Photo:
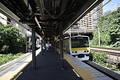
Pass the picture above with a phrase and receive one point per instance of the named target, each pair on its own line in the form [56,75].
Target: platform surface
[48,68]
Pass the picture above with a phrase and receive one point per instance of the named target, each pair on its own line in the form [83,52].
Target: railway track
[7,65]
[108,50]
[113,58]
[112,54]
[113,75]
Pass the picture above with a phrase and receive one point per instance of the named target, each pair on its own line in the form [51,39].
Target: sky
[111,5]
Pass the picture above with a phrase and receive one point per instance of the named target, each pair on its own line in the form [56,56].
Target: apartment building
[88,22]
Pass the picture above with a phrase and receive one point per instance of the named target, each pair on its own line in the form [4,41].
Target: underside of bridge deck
[47,15]
[47,18]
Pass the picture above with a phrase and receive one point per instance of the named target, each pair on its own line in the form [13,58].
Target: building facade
[90,20]
[88,23]
[3,19]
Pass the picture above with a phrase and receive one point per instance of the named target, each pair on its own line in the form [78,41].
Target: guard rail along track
[113,75]
[8,64]
[112,54]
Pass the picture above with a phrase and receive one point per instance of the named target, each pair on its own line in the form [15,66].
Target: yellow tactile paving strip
[84,73]
[11,75]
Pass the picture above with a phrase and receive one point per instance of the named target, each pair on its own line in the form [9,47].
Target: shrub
[98,57]
[4,58]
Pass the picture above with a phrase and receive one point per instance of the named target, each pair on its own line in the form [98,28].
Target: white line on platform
[76,73]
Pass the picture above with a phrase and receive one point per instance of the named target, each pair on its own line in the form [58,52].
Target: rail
[108,72]
[8,64]
[113,55]
[108,50]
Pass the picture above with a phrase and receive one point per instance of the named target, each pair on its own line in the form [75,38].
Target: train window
[79,42]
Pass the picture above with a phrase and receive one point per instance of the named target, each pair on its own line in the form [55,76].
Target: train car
[77,46]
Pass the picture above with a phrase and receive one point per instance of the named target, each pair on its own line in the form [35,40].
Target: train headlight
[75,51]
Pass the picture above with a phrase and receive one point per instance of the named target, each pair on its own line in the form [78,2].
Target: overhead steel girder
[90,4]
[28,22]
[63,5]
[4,10]
[36,20]
[40,4]
[69,10]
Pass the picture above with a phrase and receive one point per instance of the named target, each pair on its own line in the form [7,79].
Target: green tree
[115,25]
[11,39]
[109,27]
[1,29]
[104,33]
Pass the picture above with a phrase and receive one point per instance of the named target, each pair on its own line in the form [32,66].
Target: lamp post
[98,36]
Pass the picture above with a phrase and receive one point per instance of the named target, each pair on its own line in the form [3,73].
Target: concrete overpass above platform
[80,31]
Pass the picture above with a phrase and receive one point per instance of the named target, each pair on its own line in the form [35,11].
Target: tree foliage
[99,57]
[109,27]
[115,26]
[10,39]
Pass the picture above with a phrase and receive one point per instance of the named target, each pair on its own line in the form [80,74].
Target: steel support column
[42,46]
[61,46]
[55,46]
[33,48]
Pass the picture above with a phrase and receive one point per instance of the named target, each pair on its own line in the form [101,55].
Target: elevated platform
[48,68]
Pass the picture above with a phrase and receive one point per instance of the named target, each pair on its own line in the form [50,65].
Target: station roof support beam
[33,48]
[61,46]
[49,12]
[40,4]
[82,12]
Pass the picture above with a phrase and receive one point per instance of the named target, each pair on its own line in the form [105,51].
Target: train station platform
[48,67]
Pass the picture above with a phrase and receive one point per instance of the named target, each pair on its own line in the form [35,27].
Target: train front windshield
[79,42]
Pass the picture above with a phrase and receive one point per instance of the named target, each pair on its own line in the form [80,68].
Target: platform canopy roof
[48,15]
